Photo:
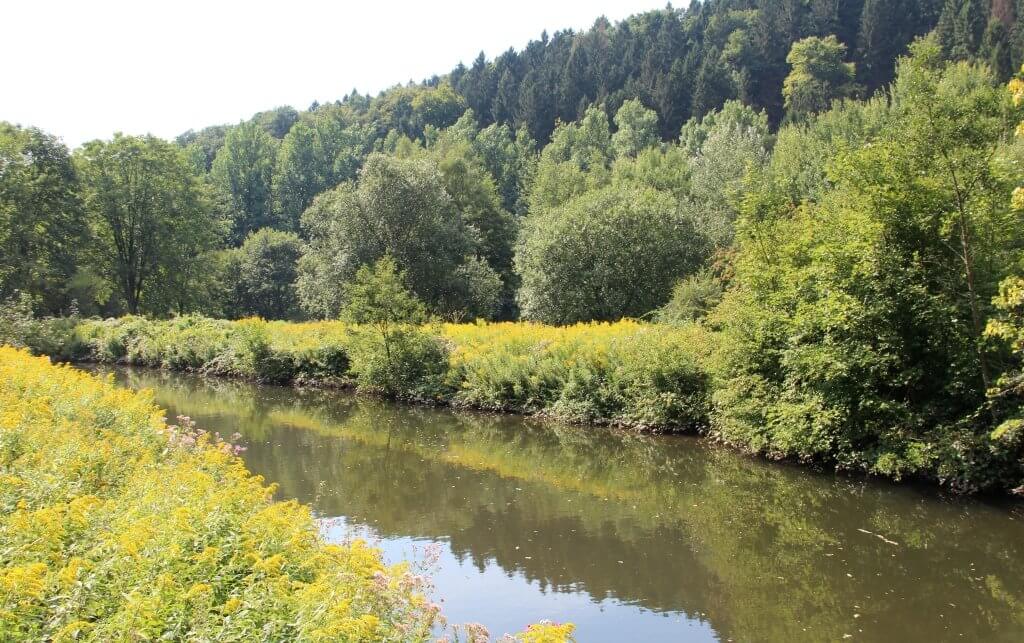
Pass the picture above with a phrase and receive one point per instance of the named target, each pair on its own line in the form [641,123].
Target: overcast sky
[85,69]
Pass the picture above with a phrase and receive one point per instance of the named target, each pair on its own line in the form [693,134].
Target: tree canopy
[151,219]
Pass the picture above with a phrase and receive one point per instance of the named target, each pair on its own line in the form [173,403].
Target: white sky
[85,69]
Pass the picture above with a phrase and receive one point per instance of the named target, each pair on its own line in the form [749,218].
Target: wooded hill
[682,63]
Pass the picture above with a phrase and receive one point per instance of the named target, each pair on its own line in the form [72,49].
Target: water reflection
[632,538]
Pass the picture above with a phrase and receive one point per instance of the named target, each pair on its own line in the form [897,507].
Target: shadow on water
[631,537]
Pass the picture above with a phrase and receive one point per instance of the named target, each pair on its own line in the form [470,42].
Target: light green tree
[377,296]
[578,158]
[637,129]
[390,353]
[818,77]
[613,252]
[724,148]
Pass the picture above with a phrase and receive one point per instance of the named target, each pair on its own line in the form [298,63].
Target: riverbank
[626,374]
[641,376]
[116,525]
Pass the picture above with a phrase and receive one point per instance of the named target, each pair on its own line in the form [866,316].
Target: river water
[631,538]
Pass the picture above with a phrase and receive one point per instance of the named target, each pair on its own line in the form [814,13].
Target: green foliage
[379,297]
[484,293]
[19,327]
[611,253]
[626,373]
[260,275]
[390,354]
[724,148]
[243,169]
[42,224]
[278,121]
[637,129]
[803,151]
[410,365]
[1006,399]
[201,147]
[319,152]
[399,208]
[409,111]
[887,27]
[692,299]
[151,219]
[510,158]
[490,229]
[851,335]
[577,159]
[819,76]
[862,245]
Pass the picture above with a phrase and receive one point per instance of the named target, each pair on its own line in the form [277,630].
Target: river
[632,538]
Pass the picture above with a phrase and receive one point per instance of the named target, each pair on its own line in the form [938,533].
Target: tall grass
[625,373]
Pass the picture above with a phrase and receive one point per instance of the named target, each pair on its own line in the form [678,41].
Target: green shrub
[20,328]
[326,362]
[412,364]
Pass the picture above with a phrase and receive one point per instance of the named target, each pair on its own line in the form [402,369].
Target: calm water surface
[631,538]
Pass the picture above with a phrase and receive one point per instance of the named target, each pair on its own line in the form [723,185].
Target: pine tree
[714,86]
[995,48]
[886,28]
[506,99]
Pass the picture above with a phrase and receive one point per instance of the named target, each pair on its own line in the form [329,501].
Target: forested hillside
[829,188]
[685,63]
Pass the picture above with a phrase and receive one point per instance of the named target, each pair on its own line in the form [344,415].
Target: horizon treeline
[462,179]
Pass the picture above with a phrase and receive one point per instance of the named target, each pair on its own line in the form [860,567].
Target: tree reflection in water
[616,531]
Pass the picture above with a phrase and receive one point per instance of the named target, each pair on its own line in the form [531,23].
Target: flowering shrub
[115,526]
[547,632]
[626,373]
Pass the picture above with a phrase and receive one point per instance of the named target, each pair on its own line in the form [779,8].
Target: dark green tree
[43,230]
[150,216]
[398,208]
[261,274]
[243,169]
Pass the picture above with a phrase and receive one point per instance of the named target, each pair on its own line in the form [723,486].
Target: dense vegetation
[828,213]
[626,373]
[116,526]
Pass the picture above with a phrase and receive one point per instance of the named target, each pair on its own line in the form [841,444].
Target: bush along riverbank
[117,526]
[626,373]
[630,374]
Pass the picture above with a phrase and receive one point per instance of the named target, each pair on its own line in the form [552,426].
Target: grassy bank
[117,526]
[630,374]
[626,373]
